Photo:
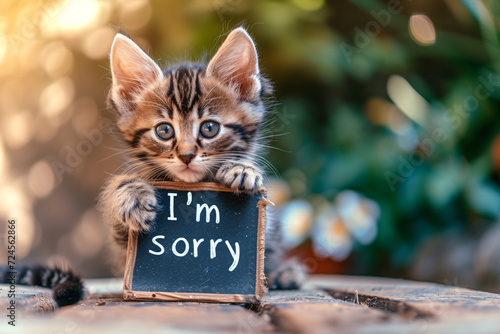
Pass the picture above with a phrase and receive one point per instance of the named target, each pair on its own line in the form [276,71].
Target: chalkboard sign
[206,244]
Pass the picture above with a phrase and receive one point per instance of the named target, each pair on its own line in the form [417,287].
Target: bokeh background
[387,146]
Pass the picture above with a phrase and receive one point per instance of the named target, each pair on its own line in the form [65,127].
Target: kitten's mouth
[189,173]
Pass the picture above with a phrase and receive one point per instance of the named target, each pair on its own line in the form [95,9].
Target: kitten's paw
[137,204]
[290,275]
[241,176]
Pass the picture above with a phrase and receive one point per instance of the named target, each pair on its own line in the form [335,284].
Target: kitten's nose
[187,158]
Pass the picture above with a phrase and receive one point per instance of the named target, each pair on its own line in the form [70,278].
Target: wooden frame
[260,283]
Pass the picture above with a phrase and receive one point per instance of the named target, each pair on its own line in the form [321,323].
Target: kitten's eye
[209,129]
[165,131]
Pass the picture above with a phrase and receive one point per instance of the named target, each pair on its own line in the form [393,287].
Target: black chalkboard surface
[206,244]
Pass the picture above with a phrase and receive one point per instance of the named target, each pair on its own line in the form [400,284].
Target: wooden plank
[428,297]
[427,307]
[314,311]
[156,316]
[111,314]
[324,318]
[105,311]
[387,306]
[274,297]
[28,300]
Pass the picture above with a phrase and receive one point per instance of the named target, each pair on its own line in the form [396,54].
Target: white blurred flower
[296,221]
[359,215]
[351,217]
[330,236]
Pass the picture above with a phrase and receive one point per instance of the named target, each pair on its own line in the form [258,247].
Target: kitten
[190,123]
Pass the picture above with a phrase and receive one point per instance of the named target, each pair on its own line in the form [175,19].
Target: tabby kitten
[190,123]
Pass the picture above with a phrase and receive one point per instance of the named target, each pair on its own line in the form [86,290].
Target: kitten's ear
[131,67]
[236,64]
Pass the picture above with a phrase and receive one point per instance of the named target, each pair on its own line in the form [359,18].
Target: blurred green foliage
[336,112]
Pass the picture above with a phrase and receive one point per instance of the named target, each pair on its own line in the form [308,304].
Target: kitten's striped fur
[67,287]
[227,93]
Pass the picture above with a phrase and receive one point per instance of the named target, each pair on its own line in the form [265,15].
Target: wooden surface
[326,304]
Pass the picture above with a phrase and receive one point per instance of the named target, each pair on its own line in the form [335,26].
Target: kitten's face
[185,122]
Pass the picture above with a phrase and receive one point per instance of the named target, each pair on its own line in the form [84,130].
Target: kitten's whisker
[276,148]
[155,104]
[110,156]
[275,135]
[135,164]
[124,149]
[223,157]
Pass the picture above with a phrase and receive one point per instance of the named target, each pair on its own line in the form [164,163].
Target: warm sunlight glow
[56,59]
[77,14]
[11,129]
[89,236]
[2,159]
[96,44]
[3,48]
[56,97]
[16,205]
[41,179]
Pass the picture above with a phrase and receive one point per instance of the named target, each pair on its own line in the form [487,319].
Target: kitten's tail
[67,287]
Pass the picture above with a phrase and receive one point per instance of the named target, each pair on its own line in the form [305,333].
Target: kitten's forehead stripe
[176,105]
[197,82]
[170,91]
[184,89]
[195,91]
